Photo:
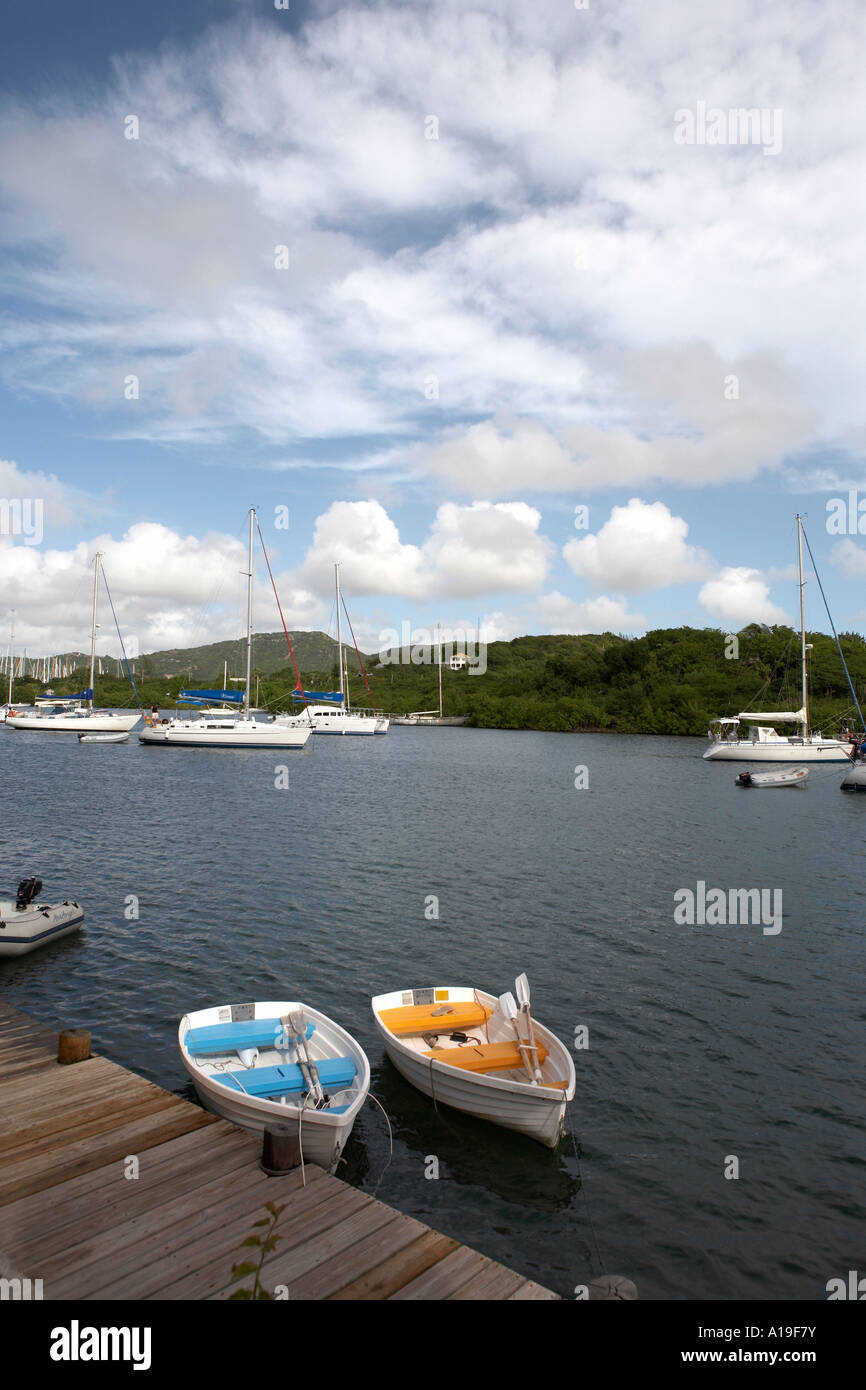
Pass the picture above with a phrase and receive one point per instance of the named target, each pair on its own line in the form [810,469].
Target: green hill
[671,681]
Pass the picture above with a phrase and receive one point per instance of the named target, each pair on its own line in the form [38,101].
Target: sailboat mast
[802,626]
[439,640]
[93,627]
[339,632]
[11,655]
[249,619]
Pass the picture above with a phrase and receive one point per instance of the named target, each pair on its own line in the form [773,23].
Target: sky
[548,317]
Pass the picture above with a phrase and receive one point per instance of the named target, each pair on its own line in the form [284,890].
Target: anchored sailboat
[333,715]
[245,731]
[765,744]
[68,714]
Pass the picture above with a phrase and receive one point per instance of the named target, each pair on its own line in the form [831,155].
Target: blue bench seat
[334,1074]
[215,1038]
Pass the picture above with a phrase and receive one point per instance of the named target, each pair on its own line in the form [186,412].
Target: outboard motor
[744,779]
[28,890]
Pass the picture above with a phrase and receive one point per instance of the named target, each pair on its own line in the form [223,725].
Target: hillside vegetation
[671,681]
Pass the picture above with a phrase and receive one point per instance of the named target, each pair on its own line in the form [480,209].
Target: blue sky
[432,278]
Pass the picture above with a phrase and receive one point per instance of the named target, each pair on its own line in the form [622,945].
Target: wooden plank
[446,1277]
[392,1273]
[495,1282]
[97,1260]
[120,1199]
[217,1244]
[289,1267]
[39,1109]
[365,1255]
[74,1126]
[206,1272]
[531,1290]
[20,1179]
[60,1081]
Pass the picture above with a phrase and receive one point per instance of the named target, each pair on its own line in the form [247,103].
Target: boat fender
[248,1055]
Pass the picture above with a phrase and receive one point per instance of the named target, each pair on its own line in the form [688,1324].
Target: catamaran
[764,745]
[246,729]
[74,714]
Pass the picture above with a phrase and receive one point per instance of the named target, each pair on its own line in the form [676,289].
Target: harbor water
[715,1144]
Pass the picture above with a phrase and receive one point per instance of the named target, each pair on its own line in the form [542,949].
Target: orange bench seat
[503,1056]
[429,1018]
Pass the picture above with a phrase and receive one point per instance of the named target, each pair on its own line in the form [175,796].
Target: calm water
[705,1041]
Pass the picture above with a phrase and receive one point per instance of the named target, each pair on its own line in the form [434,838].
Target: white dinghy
[26,924]
[103,738]
[782,777]
[483,1055]
[267,1063]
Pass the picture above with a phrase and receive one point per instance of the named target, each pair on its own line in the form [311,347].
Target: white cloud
[737,596]
[553,214]
[604,613]
[641,546]
[851,558]
[482,548]
[168,589]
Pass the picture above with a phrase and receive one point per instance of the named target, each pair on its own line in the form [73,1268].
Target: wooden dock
[71,1216]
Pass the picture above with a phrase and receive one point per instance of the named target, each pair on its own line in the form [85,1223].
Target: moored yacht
[245,728]
[764,745]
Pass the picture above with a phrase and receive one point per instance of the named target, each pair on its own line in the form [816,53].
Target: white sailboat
[75,714]
[764,744]
[338,718]
[245,731]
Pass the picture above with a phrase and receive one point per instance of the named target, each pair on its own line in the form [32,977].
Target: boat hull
[74,723]
[784,777]
[535,1111]
[37,925]
[224,733]
[855,780]
[744,751]
[323,1133]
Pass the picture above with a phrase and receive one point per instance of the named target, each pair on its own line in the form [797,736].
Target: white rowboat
[466,1049]
[103,738]
[278,1063]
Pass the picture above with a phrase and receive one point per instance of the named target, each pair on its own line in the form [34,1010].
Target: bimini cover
[797,717]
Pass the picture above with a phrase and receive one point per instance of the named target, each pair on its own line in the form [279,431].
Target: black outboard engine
[744,779]
[28,889]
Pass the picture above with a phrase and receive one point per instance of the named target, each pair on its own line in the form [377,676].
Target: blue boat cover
[64,699]
[334,1073]
[215,1038]
[332,697]
[207,697]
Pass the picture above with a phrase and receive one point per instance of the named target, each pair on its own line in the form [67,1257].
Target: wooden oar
[509,1009]
[521,987]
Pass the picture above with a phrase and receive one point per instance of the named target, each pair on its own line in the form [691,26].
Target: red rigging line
[357,652]
[282,619]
